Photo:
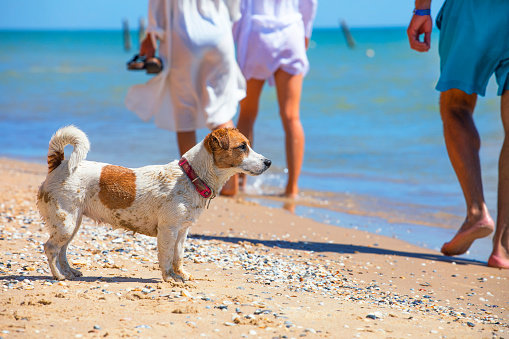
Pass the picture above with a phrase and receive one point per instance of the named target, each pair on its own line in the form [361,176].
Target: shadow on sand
[317,247]
[88,279]
[342,249]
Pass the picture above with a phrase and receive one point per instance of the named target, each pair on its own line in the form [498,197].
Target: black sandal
[137,63]
[154,65]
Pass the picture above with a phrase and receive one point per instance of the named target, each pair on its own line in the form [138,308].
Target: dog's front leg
[178,256]
[166,243]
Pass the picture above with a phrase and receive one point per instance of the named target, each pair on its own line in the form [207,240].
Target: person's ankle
[292,193]
[479,213]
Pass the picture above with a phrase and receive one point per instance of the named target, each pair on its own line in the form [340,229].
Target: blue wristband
[422,12]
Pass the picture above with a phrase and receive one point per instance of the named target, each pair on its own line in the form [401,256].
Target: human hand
[420,25]
[147,47]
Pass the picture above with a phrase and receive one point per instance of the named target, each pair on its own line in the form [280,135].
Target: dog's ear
[220,138]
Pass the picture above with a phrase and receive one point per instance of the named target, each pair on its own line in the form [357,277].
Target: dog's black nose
[267,162]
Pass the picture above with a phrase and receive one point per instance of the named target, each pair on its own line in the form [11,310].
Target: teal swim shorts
[474,44]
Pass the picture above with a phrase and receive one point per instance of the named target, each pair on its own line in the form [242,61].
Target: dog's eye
[242,147]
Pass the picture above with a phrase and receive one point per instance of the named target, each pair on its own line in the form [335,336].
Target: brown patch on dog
[219,138]
[54,160]
[223,145]
[117,187]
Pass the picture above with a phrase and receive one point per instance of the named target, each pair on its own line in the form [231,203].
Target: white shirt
[271,35]
[201,83]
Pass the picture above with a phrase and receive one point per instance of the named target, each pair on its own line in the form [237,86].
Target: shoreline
[259,272]
[423,226]
[424,235]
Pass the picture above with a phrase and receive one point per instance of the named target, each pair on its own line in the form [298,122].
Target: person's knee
[293,125]
[457,105]
[455,113]
[248,115]
[293,121]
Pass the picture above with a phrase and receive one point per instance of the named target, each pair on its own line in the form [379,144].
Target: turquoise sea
[375,157]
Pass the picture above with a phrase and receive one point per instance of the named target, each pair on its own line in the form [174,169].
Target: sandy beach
[259,273]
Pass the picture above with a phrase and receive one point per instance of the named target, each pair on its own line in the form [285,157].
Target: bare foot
[498,260]
[466,236]
[290,207]
[290,204]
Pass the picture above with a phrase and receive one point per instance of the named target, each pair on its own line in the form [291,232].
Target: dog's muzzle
[266,163]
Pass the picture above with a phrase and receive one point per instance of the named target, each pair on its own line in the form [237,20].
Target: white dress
[271,35]
[201,83]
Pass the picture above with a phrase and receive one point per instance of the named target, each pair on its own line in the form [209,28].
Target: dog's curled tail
[68,135]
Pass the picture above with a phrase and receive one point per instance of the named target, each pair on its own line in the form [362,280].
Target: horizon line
[84,29]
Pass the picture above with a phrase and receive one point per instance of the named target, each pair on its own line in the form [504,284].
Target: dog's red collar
[202,188]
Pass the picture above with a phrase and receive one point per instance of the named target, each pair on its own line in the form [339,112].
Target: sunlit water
[375,157]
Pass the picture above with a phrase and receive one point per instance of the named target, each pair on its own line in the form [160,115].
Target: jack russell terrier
[161,201]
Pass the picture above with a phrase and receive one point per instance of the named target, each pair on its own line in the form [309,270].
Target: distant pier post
[127,35]
[346,31]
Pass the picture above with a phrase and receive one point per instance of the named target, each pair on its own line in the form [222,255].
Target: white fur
[165,204]
[70,135]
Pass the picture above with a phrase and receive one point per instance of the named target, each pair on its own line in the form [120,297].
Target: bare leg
[289,88]
[463,144]
[248,113]
[500,255]
[186,141]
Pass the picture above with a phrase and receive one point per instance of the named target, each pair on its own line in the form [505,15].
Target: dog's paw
[77,273]
[187,276]
[69,274]
[59,277]
[173,277]
[64,276]
[181,276]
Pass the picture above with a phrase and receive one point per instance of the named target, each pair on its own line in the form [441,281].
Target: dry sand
[259,273]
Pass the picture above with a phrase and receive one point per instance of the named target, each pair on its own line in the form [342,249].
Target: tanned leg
[463,144]
[500,255]
[248,113]
[289,89]
[186,141]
